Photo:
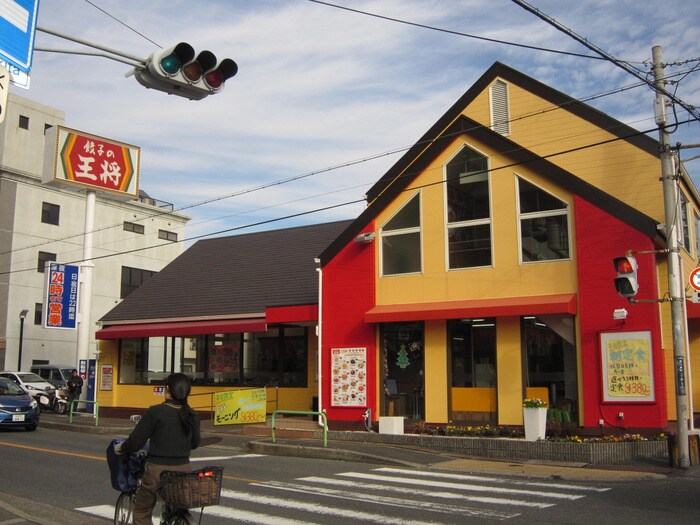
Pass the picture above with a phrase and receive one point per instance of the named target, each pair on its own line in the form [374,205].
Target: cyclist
[173,430]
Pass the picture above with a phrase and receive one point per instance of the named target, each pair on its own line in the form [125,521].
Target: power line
[451,32]
[325,208]
[122,23]
[319,171]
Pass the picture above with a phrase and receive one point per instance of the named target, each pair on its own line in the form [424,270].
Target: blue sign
[61,306]
[17,29]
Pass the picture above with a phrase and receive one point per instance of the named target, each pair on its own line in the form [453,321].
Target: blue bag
[124,469]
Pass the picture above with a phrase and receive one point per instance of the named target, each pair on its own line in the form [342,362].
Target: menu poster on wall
[349,377]
[628,373]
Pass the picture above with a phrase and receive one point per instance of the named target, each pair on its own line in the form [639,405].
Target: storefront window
[404,362]
[275,358]
[473,352]
[550,358]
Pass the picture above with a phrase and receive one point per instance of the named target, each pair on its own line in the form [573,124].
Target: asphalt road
[55,477]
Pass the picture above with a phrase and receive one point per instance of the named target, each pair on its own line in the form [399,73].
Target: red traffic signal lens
[625,265]
[214,79]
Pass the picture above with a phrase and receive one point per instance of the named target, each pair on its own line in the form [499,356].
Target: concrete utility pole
[675,288]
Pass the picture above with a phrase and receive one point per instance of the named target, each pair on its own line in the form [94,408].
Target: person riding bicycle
[173,430]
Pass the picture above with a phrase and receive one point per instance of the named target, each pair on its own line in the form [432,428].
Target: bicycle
[179,492]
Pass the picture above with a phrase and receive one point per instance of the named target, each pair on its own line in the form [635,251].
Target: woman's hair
[179,386]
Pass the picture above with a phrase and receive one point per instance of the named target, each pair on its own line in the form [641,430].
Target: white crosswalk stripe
[384,495]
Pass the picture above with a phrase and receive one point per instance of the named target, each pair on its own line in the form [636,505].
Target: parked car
[17,407]
[57,375]
[28,380]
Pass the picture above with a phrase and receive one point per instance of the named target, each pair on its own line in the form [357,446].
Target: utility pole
[675,288]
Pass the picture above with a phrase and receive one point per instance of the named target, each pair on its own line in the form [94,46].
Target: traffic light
[626,280]
[176,70]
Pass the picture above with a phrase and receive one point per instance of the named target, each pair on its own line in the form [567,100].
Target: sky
[327,99]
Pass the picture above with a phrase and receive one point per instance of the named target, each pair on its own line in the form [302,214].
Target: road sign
[695,279]
[4,86]
[17,29]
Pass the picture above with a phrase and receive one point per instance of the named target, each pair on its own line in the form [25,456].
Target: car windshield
[66,373]
[30,378]
[8,388]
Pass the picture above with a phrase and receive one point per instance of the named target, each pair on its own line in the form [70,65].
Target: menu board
[628,373]
[349,377]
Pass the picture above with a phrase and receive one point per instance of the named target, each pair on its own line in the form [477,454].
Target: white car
[29,381]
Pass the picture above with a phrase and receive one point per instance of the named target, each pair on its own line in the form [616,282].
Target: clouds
[321,87]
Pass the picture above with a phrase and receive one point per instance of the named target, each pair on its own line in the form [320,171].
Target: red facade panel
[348,291]
[599,238]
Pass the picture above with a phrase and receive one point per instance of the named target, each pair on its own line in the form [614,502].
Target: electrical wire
[316,172]
[451,32]
[317,210]
[122,23]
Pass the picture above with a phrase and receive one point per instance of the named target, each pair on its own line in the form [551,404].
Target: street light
[22,315]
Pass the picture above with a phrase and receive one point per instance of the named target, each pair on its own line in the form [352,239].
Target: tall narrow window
[685,231]
[50,213]
[544,224]
[401,244]
[500,116]
[23,122]
[697,236]
[468,210]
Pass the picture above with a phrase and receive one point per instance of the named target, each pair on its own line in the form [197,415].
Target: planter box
[391,425]
[519,449]
[535,422]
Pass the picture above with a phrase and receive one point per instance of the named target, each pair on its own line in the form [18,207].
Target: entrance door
[403,353]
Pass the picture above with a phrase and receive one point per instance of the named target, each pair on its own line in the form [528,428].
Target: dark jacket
[75,385]
[169,443]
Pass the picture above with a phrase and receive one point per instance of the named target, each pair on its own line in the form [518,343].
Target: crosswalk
[386,495]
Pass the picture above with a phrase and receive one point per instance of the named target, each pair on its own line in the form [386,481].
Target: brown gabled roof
[453,124]
[234,276]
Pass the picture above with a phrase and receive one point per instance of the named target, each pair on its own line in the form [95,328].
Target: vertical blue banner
[61,300]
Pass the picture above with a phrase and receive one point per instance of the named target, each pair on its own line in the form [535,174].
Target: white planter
[535,420]
[391,425]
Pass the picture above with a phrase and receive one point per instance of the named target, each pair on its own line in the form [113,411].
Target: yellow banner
[240,406]
[628,368]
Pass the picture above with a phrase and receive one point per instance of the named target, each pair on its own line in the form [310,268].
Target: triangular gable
[453,124]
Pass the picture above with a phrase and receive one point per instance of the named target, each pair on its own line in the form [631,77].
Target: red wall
[601,237]
[348,292]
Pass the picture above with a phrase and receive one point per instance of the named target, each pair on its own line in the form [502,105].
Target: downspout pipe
[319,344]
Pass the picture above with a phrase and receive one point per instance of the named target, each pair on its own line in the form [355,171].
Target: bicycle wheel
[179,517]
[123,509]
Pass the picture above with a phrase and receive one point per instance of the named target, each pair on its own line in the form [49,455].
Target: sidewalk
[233,437]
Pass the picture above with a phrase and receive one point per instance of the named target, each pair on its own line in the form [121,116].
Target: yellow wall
[508,277]
[509,371]
[143,396]
[474,400]
[625,172]
[436,372]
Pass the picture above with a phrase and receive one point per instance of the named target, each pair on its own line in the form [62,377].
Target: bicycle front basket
[191,490]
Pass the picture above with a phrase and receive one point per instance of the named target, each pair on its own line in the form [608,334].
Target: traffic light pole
[675,288]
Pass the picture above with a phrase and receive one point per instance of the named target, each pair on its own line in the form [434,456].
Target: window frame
[50,213]
[167,235]
[130,286]
[566,212]
[134,227]
[42,259]
[470,223]
[412,230]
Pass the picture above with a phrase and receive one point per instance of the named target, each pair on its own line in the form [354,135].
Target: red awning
[181,328]
[497,307]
